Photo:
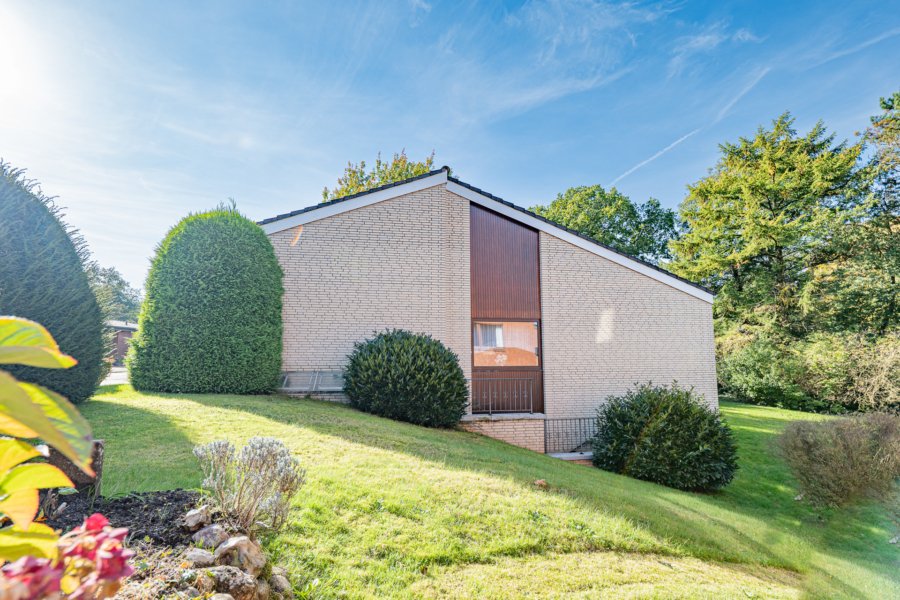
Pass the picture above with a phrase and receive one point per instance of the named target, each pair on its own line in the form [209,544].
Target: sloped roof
[385,192]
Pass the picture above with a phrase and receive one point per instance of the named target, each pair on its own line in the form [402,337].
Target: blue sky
[135,114]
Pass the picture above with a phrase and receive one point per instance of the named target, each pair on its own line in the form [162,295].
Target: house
[122,332]
[546,322]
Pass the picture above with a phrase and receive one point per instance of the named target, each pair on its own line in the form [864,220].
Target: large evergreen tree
[211,318]
[43,277]
[759,224]
[858,290]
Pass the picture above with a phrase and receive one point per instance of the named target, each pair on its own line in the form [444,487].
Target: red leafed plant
[90,564]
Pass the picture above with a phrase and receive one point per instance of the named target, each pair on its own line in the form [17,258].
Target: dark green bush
[407,377]
[666,435]
[43,278]
[211,318]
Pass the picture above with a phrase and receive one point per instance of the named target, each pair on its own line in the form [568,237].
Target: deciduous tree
[611,218]
[356,179]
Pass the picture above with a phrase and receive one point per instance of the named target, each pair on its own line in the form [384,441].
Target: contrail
[652,158]
[741,95]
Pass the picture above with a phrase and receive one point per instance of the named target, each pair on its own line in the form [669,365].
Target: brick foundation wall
[606,327]
[525,433]
[401,263]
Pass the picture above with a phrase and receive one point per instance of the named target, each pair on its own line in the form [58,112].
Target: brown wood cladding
[505,268]
[537,385]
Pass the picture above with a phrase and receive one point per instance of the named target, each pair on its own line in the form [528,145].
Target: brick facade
[606,328]
[402,263]
[525,433]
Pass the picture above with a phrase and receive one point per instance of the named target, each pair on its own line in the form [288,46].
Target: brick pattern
[606,328]
[582,462]
[525,433]
[400,263]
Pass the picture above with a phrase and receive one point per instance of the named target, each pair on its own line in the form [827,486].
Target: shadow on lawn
[638,501]
[156,455]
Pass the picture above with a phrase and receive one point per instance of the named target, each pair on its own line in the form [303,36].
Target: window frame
[540,345]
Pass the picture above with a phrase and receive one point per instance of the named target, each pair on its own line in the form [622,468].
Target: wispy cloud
[546,50]
[862,46]
[705,42]
[652,158]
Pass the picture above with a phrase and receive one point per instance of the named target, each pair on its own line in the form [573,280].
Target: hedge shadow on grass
[153,460]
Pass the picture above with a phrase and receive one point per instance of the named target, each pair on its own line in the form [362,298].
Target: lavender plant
[253,488]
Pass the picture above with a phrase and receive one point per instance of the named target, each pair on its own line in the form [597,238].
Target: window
[506,344]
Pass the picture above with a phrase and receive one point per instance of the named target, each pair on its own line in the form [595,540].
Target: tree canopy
[758,226]
[356,179]
[121,301]
[611,218]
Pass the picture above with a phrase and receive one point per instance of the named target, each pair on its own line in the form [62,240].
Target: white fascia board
[354,203]
[582,243]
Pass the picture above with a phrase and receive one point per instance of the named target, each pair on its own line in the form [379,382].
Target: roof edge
[406,186]
[579,235]
[352,196]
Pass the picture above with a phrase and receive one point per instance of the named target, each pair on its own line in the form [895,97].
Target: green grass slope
[392,510]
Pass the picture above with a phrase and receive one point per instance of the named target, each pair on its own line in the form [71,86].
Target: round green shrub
[43,278]
[211,318]
[407,377]
[666,435]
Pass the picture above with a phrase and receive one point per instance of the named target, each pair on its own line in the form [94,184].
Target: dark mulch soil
[154,515]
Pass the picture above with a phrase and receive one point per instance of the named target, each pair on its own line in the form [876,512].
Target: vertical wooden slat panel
[505,268]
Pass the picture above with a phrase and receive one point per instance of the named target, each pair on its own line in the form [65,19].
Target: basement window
[307,382]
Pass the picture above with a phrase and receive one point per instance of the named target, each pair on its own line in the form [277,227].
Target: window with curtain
[506,344]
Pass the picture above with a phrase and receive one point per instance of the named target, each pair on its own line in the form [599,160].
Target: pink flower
[95,522]
[30,578]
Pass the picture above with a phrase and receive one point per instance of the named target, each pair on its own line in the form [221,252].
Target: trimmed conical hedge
[211,317]
[43,278]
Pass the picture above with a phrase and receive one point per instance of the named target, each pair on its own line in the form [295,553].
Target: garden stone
[200,557]
[210,536]
[205,583]
[242,553]
[233,581]
[192,592]
[221,597]
[197,518]
[280,585]
[279,571]
[262,590]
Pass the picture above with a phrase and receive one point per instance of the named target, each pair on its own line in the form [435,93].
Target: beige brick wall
[606,327]
[525,433]
[400,263]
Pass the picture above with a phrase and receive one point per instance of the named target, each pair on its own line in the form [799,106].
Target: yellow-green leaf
[38,540]
[49,416]
[40,475]
[25,342]
[21,506]
[13,452]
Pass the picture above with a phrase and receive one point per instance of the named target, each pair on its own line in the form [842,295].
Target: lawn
[394,510]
